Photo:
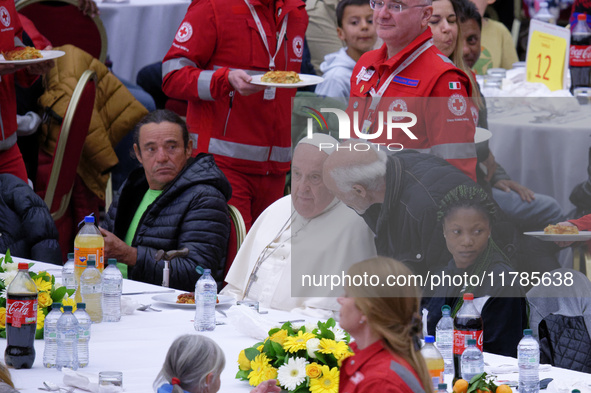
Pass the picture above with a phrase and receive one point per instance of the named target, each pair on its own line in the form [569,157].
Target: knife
[147,292]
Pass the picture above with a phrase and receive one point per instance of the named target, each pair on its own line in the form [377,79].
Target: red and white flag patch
[455,86]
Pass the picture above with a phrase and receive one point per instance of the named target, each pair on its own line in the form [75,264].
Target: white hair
[190,359]
[367,175]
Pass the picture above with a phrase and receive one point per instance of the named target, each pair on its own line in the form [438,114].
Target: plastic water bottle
[544,14]
[68,277]
[50,335]
[434,361]
[112,283]
[88,241]
[91,290]
[472,361]
[67,340]
[205,298]
[442,388]
[444,335]
[528,359]
[84,323]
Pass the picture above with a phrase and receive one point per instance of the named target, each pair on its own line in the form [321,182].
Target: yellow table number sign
[547,50]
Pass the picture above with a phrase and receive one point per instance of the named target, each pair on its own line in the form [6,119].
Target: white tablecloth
[140,32]
[550,157]
[138,344]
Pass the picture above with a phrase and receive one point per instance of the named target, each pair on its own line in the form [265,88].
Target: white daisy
[3,293]
[310,327]
[312,346]
[292,373]
[339,334]
[11,267]
[7,277]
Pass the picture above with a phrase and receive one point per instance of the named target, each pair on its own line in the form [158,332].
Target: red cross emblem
[298,46]
[184,33]
[457,104]
[4,16]
[398,105]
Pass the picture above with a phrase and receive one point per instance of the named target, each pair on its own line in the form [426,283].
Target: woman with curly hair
[467,214]
[385,323]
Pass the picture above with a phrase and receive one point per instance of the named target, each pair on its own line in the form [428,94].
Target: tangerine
[461,386]
[504,389]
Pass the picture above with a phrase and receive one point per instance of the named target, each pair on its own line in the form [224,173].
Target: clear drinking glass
[110,382]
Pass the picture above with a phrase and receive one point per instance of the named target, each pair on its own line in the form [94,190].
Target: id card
[270,93]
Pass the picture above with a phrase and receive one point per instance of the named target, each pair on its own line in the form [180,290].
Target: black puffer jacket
[406,225]
[26,227]
[191,212]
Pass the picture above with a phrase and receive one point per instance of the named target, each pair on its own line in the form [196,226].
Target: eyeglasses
[392,7]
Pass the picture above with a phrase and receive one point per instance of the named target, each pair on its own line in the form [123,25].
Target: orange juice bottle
[88,241]
[434,361]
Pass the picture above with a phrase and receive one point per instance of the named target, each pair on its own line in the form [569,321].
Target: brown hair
[5,375]
[392,311]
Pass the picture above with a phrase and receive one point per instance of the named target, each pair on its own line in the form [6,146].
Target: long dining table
[137,345]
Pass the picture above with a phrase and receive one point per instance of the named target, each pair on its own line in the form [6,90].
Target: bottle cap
[81,306]
[471,341]
[70,255]
[575,391]
[468,296]
[23,266]
[206,271]
[543,4]
[527,332]
[581,17]
[111,261]
[442,386]
[56,305]
[445,309]
[67,308]
[89,219]
[429,339]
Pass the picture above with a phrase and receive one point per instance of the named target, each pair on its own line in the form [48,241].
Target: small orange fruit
[461,386]
[504,389]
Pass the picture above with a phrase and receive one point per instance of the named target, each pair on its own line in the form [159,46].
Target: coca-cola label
[461,340]
[580,55]
[21,312]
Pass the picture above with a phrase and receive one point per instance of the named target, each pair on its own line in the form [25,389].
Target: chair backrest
[69,145]
[62,23]
[237,235]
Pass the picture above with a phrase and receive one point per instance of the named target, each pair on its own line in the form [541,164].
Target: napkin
[128,305]
[567,386]
[512,368]
[249,322]
[80,380]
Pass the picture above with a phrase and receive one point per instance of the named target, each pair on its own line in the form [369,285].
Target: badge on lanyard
[270,93]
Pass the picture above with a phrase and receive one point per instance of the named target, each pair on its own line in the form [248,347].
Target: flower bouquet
[48,293]
[303,359]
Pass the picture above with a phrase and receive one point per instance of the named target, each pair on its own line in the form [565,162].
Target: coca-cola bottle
[21,319]
[467,324]
[580,54]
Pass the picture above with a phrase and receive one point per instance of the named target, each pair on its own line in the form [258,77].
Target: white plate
[170,299]
[582,236]
[307,80]
[47,55]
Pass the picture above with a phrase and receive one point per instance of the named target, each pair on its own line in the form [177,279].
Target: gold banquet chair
[68,148]
[83,31]
[237,235]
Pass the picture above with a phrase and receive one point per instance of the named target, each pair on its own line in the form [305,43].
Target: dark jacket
[504,313]
[191,212]
[26,227]
[406,225]
[565,342]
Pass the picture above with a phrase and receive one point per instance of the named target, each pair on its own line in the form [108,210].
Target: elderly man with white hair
[302,244]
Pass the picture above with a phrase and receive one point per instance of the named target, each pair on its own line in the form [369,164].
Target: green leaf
[58,294]
[70,292]
[3,333]
[320,358]
[38,334]
[251,353]
[278,348]
[273,331]
[242,375]
[477,377]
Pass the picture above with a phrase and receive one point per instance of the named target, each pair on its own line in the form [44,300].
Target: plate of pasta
[29,55]
[187,299]
[289,79]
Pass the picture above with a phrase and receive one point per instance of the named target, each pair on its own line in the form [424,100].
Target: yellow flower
[243,362]
[44,299]
[42,285]
[327,383]
[337,348]
[279,337]
[260,347]
[40,320]
[313,370]
[261,370]
[296,343]
[344,356]
[2,317]
[68,302]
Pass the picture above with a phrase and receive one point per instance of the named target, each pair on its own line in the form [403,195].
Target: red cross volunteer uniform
[11,160]
[444,127]
[375,369]
[250,137]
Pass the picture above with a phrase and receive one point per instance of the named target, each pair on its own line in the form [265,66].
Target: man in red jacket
[218,47]
[404,71]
